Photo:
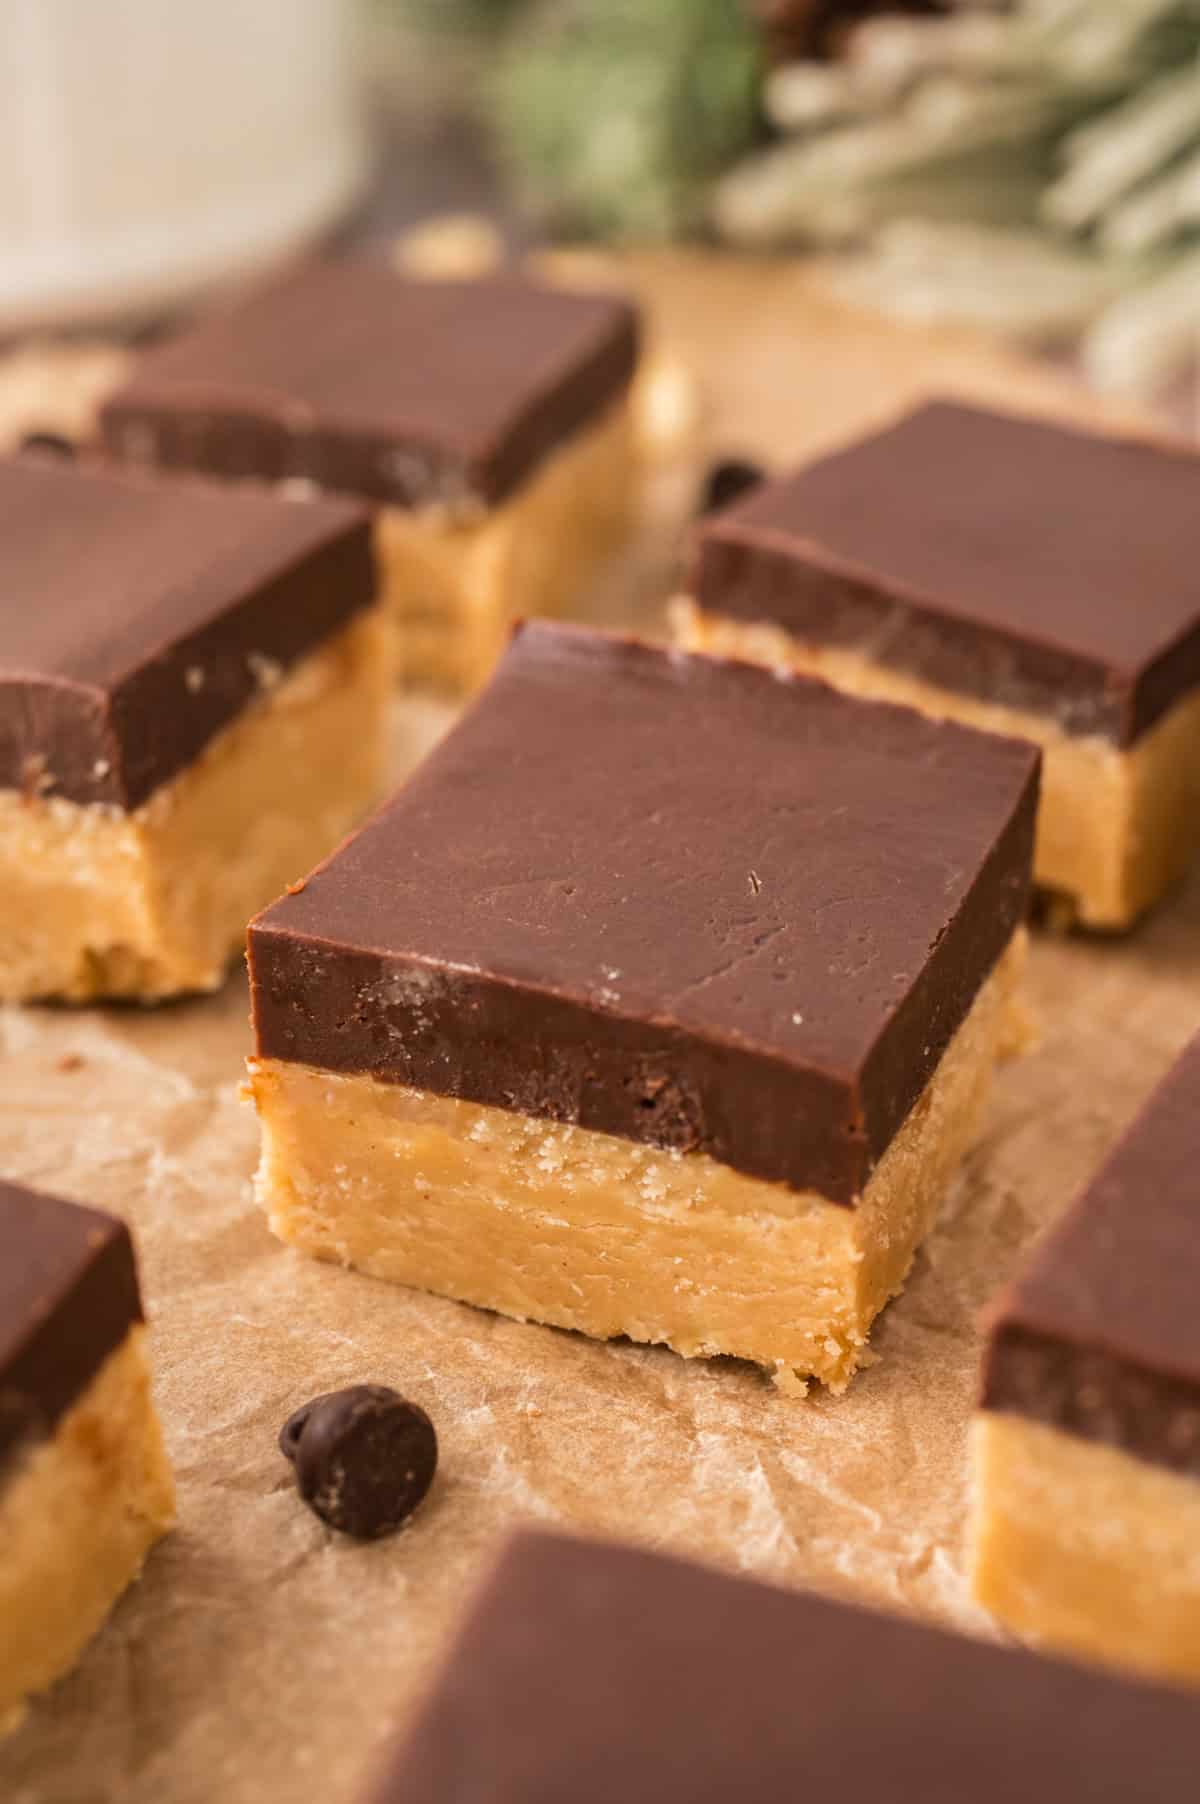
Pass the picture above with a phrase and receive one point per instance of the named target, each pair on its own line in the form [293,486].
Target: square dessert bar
[1022,577]
[661,1002]
[488,420]
[1086,1449]
[594,1672]
[193,695]
[85,1488]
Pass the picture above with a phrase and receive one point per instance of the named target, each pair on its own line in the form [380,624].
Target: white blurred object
[149,147]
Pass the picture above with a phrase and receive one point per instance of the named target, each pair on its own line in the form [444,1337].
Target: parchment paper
[260,1660]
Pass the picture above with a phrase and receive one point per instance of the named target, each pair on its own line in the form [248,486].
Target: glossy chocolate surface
[1023,563]
[68,1297]
[138,617]
[356,378]
[666,897]
[591,1673]
[1100,1334]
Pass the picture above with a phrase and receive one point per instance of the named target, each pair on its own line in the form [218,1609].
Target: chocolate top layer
[1024,563]
[399,390]
[138,617]
[667,897]
[68,1296]
[1100,1334]
[593,1673]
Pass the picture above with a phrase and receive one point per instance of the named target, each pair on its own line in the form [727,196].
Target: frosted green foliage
[455,18]
[1034,170]
[615,115]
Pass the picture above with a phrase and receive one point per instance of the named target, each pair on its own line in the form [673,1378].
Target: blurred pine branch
[614,118]
[1034,169]
[610,117]
[454,17]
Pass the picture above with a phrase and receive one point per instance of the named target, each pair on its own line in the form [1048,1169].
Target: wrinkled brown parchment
[260,1660]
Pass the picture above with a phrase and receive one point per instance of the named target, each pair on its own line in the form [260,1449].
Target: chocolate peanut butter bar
[1017,576]
[1086,1528]
[594,1672]
[193,685]
[85,1488]
[662,1001]
[487,420]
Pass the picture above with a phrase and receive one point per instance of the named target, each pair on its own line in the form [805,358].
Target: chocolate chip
[289,1434]
[726,480]
[364,1458]
[52,444]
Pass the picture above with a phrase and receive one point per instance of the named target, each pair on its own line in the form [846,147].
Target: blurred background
[1030,170]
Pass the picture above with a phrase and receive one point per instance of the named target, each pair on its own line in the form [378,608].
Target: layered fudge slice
[487,420]
[661,1002]
[85,1488]
[1086,1449]
[193,695]
[593,1672]
[1021,577]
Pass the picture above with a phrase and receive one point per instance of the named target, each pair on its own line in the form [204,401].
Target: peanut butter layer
[85,1488]
[1087,1446]
[1117,825]
[1086,1548]
[79,1511]
[455,586]
[608,1236]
